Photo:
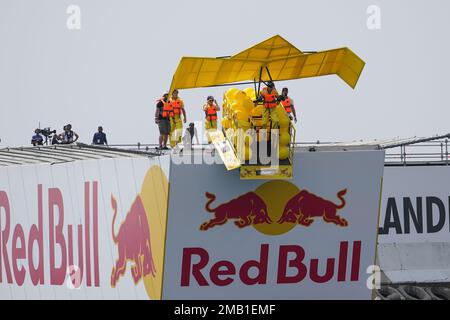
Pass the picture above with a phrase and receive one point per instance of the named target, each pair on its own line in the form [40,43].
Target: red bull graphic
[140,239]
[305,206]
[275,205]
[294,266]
[133,243]
[51,243]
[247,209]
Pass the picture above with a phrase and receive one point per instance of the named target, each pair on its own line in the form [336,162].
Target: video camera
[46,132]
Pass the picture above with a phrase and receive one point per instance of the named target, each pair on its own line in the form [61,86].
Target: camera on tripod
[46,132]
[37,139]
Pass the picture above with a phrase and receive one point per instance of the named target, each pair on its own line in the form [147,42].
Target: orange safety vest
[287,104]
[167,110]
[177,106]
[270,99]
[211,113]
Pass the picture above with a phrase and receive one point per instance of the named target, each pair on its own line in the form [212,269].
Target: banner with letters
[415,205]
[90,229]
[312,237]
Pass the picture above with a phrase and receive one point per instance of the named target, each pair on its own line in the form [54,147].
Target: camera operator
[68,135]
[37,139]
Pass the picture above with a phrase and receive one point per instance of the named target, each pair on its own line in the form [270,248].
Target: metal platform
[428,151]
[64,153]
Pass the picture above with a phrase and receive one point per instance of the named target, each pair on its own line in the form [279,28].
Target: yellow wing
[284,61]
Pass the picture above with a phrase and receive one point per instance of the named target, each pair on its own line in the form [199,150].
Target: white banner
[90,229]
[312,237]
[414,232]
[415,205]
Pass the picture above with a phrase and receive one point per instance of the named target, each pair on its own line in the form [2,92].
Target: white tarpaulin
[414,237]
[59,238]
[310,237]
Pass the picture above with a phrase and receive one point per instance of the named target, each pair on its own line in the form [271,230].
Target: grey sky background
[111,71]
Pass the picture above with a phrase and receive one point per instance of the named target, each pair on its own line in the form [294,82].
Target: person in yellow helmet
[270,98]
[177,122]
[211,109]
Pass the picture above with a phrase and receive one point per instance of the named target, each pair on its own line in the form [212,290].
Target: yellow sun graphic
[276,194]
[154,195]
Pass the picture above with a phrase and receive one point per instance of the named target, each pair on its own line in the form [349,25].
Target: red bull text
[16,252]
[293,267]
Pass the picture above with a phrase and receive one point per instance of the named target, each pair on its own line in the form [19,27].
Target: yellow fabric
[210,124]
[270,114]
[285,62]
[176,130]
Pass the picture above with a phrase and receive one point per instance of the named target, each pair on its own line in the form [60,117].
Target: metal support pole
[268,72]
[259,82]
[446,151]
[404,155]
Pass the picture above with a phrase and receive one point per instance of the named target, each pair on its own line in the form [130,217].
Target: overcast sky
[111,71]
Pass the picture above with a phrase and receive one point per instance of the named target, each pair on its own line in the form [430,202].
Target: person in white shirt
[189,135]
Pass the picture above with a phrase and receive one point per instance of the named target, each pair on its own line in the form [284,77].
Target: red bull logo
[275,208]
[133,243]
[305,206]
[140,238]
[246,210]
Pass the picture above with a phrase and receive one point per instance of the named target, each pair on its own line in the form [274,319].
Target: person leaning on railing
[68,136]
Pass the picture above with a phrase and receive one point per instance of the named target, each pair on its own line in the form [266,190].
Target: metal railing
[423,151]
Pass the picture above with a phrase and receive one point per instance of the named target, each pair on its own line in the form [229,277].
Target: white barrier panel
[415,205]
[96,229]
[58,236]
[312,237]
[414,234]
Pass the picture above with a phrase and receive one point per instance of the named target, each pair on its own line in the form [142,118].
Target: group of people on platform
[170,115]
[270,99]
[68,136]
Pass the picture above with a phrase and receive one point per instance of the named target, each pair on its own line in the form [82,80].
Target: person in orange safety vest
[288,104]
[270,98]
[211,108]
[163,116]
[176,123]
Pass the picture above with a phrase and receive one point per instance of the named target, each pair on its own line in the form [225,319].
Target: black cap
[210,98]
[270,84]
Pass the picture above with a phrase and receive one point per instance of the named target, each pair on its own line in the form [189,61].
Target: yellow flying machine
[274,59]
